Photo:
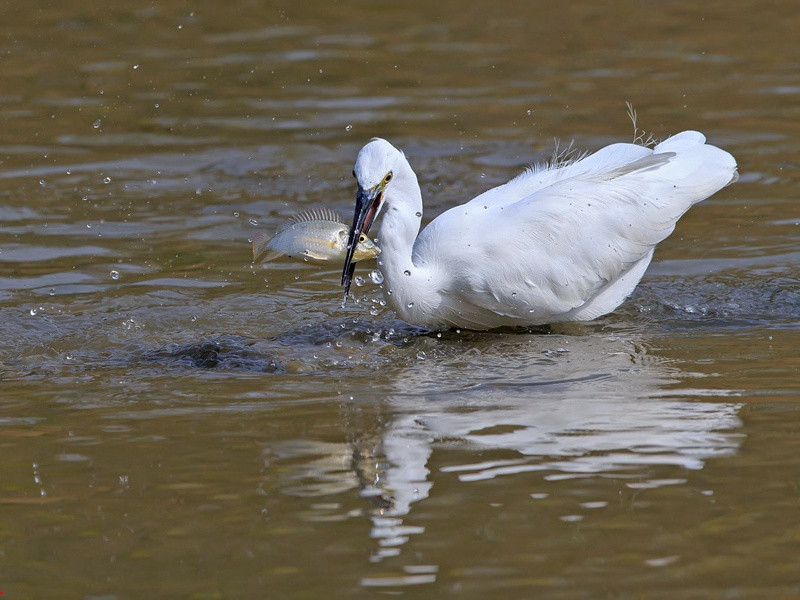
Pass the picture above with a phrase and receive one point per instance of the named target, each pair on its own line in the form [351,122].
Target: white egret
[567,241]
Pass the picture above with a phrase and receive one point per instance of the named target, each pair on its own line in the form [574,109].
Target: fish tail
[260,241]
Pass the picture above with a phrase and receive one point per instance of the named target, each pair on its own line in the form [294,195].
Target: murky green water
[176,422]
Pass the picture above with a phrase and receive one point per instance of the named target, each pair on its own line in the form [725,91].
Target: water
[177,422]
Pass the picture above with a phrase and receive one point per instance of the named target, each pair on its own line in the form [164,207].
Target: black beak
[367,203]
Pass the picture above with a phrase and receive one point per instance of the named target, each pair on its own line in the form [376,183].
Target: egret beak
[367,204]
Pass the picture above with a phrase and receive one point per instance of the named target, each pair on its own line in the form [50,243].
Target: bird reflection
[564,406]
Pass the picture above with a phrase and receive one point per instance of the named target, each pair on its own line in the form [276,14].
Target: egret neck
[386,180]
[405,282]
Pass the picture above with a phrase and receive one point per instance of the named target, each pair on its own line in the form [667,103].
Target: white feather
[565,242]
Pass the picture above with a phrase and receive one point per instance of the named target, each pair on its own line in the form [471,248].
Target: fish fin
[315,256]
[271,255]
[260,240]
[317,214]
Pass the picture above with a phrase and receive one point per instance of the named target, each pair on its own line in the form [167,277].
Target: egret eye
[388,177]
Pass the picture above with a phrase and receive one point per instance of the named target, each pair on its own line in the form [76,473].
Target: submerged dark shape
[220,354]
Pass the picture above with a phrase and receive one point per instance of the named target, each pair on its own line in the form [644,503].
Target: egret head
[375,168]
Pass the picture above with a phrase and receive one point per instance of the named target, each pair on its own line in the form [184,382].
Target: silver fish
[316,234]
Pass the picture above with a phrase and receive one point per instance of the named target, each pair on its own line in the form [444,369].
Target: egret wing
[555,249]
[544,175]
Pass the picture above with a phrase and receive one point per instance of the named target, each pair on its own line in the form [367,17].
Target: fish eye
[362,237]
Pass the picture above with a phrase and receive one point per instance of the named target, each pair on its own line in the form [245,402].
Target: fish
[317,234]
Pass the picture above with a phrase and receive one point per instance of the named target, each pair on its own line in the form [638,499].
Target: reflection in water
[602,407]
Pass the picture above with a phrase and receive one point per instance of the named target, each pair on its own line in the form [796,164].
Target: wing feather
[541,176]
[577,230]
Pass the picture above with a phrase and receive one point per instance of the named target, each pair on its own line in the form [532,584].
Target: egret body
[567,241]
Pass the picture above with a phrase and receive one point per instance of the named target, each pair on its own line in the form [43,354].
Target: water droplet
[359,281]
[348,128]
[483,175]
[42,182]
[52,291]
[114,274]
[106,180]
[253,222]
[439,335]
[130,324]
[97,124]
[530,112]
[410,305]
[419,214]
[33,312]
[236,214]
[407,273]
[421,355]
[513,294]
[376,277]
[374,312]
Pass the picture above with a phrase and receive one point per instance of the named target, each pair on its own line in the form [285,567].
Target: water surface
[178,422]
